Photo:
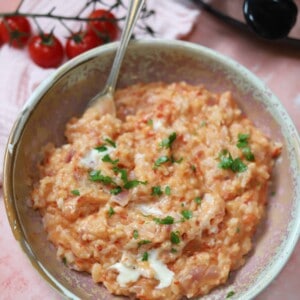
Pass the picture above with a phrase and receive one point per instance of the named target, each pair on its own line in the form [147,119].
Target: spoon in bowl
[103,102]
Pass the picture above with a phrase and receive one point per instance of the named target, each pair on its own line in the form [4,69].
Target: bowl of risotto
[191,190]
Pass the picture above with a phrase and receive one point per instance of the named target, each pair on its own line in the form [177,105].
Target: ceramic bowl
[65,94]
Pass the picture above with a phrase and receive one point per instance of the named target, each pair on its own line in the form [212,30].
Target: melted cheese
[131,272]
[149,209]
[157,124]
[93,158]
[162,273]
[126,273]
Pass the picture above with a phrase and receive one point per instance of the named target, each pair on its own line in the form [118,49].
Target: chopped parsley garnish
[64,260]
[243,145]
[97,176]
[75,192]
[128,184]
[187,214]
[227,162]
[133,183]
[161,160]
[248,153]
[165,221]
[145,256]
[242,140]
[226,159]
[109,141]
[135,234]
[167,190]
[107,158]
[167,142]
[150,122]
[173,250]
[143,242]
[238,166]
[178,161]
[230,294]
[123,173]
[111,211]
[238,230]
[193,167]
[115,191]
[198,200]
[203,123]
[156,191]
[175,239]
[102,148]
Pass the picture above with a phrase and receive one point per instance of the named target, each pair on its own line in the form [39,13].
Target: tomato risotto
[162,201]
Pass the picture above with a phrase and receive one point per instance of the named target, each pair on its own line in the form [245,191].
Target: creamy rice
[161,202]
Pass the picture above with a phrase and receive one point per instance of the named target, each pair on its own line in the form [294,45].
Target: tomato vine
[100,26]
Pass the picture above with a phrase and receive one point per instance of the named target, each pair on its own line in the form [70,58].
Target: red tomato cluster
[46,50]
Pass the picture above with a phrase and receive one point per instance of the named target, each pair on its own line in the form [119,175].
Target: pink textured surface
[278,66]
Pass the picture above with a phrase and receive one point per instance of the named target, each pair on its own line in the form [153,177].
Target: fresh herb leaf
[224,152]
[173,250]
[102,148]
[97,176]
[243,137]
[165,221]
[248,153]
[238,166]
[123,173]
[167,190]
[133,183]
[167,142]
[150,122]
[161,160]
[75,192]
[227,162]
[156,191]
[109,141]
[230,294]
[145,256]
[243,145]
[111,211]
[64,260]
[107,158]
[115,191]
[193,167]
[143,242]
[187,214]
[135,234]
[177,161]
[238,230]
[198,200]
[175,239]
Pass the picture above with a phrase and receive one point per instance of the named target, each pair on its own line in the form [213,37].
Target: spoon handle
[134,9]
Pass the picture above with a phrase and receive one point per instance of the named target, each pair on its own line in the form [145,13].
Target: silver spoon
[103,102]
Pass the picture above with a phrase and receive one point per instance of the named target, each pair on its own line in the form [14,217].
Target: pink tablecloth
[278,66]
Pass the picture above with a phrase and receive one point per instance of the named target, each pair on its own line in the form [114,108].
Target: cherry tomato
[46,50]
[15,30]
[80,42]
[106,29]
